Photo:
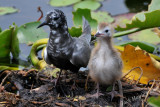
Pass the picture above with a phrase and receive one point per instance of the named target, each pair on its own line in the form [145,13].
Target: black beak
[42,24]
[97,34]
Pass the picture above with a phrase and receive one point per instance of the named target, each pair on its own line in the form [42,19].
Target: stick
[39,10]
[4,80]
[140,75]
[149,91]
[129,71]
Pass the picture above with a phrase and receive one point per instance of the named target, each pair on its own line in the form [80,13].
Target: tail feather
[86,31]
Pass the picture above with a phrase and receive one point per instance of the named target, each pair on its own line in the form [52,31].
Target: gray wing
[82,49]
[81,53]
[86,34]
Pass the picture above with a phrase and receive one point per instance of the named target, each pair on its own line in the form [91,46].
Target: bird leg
[58,77]
[97,94]
[73,87]
[113,93]
[86,83]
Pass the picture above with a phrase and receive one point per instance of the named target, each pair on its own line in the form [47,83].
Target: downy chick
[63,50]
[105,64]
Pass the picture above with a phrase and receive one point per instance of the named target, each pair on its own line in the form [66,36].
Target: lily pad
[28,33]
[5,38]
[102,16]
[144,20]
[77,18]
[143,45]
[87,4]
[59,3]
[7,10]
[75,32]
[154,5]
[9,43]
[154,101]
[146,35]
[122,19]
[15,43]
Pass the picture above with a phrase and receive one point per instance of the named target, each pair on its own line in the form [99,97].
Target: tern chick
[105,64]
[63,50]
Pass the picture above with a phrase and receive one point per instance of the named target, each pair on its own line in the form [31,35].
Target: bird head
[103,31]
[54,19]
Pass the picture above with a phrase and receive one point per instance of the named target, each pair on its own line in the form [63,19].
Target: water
[28,10]
[28,13]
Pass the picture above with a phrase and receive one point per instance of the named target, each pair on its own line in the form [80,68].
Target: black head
[54,19]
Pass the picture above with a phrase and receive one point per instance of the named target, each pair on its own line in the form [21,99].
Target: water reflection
[137,5]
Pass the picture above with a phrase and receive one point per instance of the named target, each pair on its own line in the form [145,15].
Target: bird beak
[98,34]
[42,24]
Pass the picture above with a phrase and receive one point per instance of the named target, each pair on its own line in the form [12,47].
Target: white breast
[105,69]
[45,54]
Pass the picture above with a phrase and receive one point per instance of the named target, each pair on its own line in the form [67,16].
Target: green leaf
[155,5]
[143,45]
[59,3]
[122,19]
[9,43]
[8,68]
[5,44]
[77,18]
[109,88]
[75,32]
[7,10]
[87,4]
[143,20]
[146,35]
[0,29]
[29,33]
[154,101]
[15,43]
[102,16]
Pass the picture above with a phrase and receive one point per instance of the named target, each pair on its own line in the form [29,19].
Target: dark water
[28,13]
[28,10]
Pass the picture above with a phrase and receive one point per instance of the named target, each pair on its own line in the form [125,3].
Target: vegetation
[142,51]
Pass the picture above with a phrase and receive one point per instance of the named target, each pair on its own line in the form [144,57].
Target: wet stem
[39,10]
[123,33]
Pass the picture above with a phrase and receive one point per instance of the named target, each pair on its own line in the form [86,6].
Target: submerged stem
[123,33]
[39,10]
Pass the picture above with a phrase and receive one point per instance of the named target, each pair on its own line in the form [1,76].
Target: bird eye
[55,18]
[106,31]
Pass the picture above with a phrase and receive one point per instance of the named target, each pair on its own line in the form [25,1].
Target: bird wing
[82,49]
[81,53]
[86,34]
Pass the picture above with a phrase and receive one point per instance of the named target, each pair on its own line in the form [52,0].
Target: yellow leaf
[135,57]
[75,99]
[82,98]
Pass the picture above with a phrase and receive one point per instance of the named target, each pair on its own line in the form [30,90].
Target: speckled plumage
[64,51]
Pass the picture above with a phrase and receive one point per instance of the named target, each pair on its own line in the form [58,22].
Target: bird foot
[54,81]
[114,94]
